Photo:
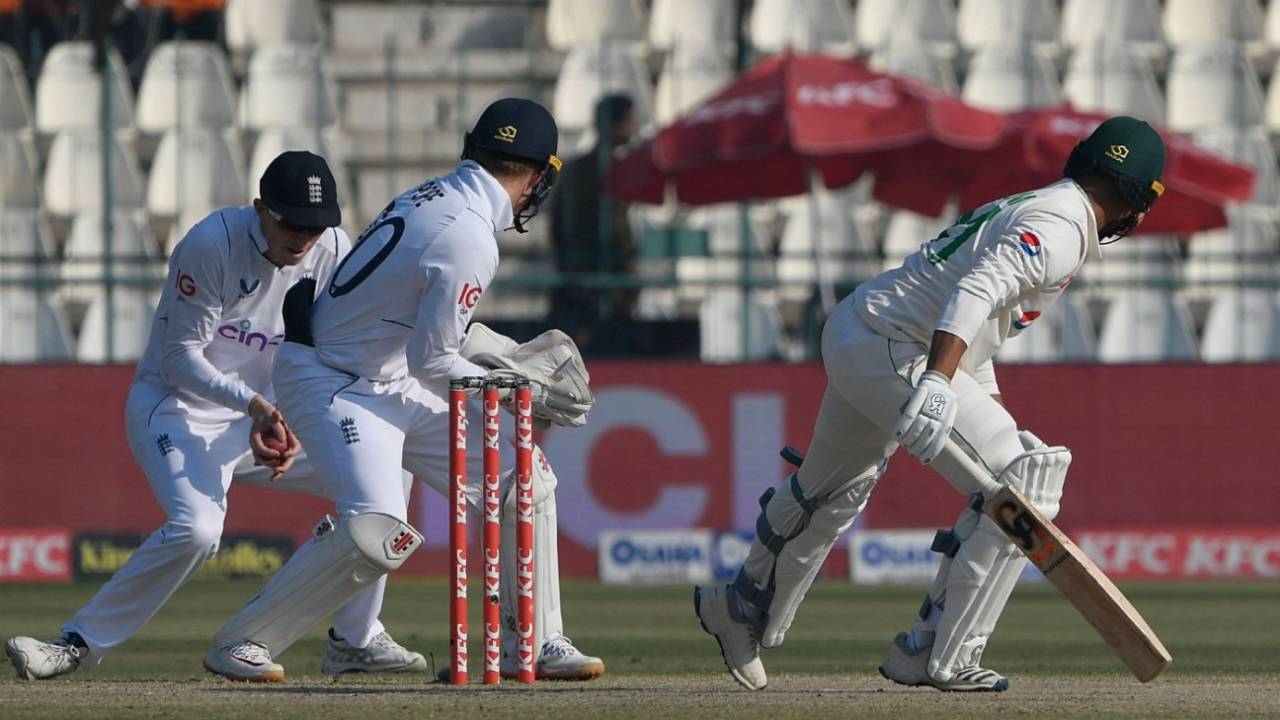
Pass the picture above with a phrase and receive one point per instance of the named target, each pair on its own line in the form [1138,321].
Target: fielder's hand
[928,417]
[271,441]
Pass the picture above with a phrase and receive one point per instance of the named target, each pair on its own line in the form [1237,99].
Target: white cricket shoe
[739,645]
[246,661]
[39,660]
[558,660]
[381,655]
[908,665]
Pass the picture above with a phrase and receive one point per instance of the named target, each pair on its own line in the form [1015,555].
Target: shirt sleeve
[1039,250]
[460,265]
[195,307]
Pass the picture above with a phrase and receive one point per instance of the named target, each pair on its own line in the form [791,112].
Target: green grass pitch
[1225,639]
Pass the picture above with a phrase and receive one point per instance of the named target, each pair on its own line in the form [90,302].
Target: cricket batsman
[908,358]
[363,378]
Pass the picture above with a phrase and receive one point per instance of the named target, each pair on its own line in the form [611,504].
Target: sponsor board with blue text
[900,557]
[656,556]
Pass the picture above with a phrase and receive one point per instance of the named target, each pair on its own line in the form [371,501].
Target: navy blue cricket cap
[520,128]
[298,188]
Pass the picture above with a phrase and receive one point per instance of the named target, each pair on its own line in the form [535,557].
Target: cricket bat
[1076,577]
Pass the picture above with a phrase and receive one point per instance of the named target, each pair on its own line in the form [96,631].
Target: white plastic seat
[1211,86]
[906,232]
[903,55]
[685,82]
[32,328]
[1190,22]
[1063,333]
[19,176]
[287,85]
[1134,261]
[195,168]
[1128,22]
[15,100]
[1245,250]
[721,328]
[253,24]
[26,244]
[694,28]
[589,73]
[980,23]
[1242,326]
[1007,78]
[84,257]
[69,90]
[1147,326]
[1112,78]
[930,23]
[129,322]
[804,25]
[576,23]
[1249,147]
[73,174]
[822,244]
[1273,96]
[186,84]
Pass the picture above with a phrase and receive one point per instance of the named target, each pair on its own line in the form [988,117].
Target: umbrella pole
[821,274]
[744,250]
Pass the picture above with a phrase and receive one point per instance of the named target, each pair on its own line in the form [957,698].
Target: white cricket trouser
[189,463]
[869,380]
[359,434]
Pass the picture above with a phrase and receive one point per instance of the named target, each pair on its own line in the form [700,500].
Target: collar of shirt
[1093,244]
[495,198]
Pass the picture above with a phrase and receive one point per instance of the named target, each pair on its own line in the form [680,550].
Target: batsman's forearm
[945,351]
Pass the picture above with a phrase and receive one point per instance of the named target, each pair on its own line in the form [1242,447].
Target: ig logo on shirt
[468,298]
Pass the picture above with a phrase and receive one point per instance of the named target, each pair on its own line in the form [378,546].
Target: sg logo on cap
[506,133]
[1118,153]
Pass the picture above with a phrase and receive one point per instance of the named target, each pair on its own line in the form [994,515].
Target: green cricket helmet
[1130,153]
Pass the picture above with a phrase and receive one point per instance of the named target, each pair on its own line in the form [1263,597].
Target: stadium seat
[1250,147]
[287,86]
[572,24]
[686,81]
[129,322]
[32,328]
[1211,86]
[84,257]
[15,100]
[980,23]
[930,23]
[1137,260]
[1272,32]
[1112,78]
[589,73]
[253,24]
[26,244]
[805,25]
[186,84]
[69,91]
[906,56]
[1242,326]
[1191,22]
[199,168]
[693,28]
[1007,78]
[721,328]
[907,231]
[1133,23]
[821,242]
[1147,326]
[73,174]
[1063,333]
[1273,99]
[19,177]
[1244,251]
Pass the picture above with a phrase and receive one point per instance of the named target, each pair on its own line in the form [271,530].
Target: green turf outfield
[1225,639]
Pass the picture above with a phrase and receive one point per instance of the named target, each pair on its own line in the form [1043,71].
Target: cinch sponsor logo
[1025,320]
[244,334]
[1029,242]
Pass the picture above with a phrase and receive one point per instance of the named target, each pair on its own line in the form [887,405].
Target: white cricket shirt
[400,302]
[218,324]
[988,276]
